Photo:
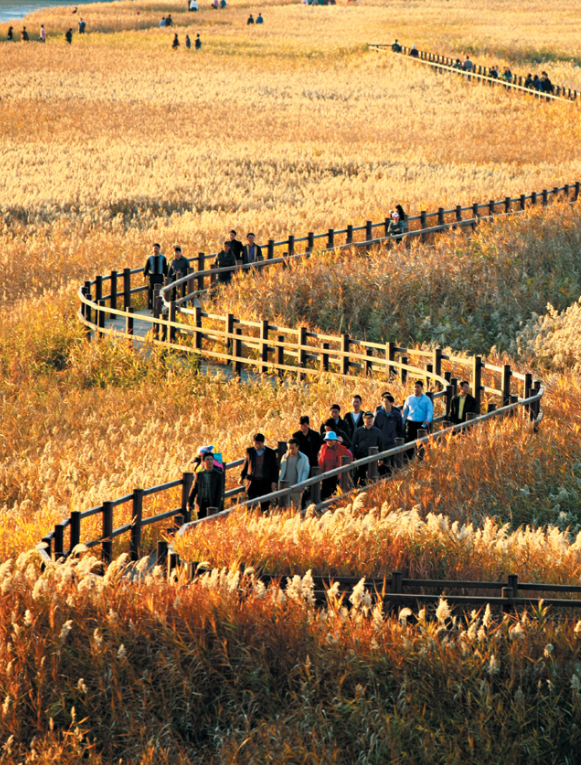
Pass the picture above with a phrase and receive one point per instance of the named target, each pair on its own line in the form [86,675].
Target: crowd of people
[338,437]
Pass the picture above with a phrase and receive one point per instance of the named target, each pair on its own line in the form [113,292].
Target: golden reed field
[118,141]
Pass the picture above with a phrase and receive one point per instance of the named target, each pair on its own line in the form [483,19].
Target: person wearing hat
[329,459]
[260,471]
[364,438]
[208,488]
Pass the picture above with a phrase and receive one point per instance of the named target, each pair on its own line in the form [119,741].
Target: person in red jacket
[329,459]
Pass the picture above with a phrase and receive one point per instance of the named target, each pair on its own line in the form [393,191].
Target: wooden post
[330,239]
[75,524]
[58,541]
[113,291]
[390,356]
[545,195]
[373,467]
[310,241]
[270,249]
[507,202]
[513,584]
[368,230]
[344,479]
[345,341]
[534,198]
[440,216]
[423,219]
[136,518]
[201,266]
[316,487]
[237,364]
[230,331]
[458,213]
[264,346]
[404,372]
[101,317]
[302,348]
[126,288]
[449,397]
[280,352]
[490,408]
[156,308]
[172,318]
[475,214]
[107,543]
[437,361]
[325,358]
[291,245]
[477,379]
[506,375]
[98,288]
[369,362]
[350,234]
[454,384]
[491,207]
[213,276]
[527,385]
[198,322]
[523,202]
[396,582]
[187,481]
[129,320]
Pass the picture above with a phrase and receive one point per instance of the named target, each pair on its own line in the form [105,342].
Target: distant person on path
[463,404]
[10,35]
[226,259]
[414,53]
[354,419]
[403,219]
[252,252]
[69,36]
[163,22]
[309,440]
[188,42]
[155,269]
[208,488]
[537,84]
[176,43]
[236,247]
[394,228]
[223,3]
[294,468]
[336,423]
[529,81]
[259,19]
[260,471]
[546,84]
[418,412]
[329,459]
[42,33]
[494,72]
[364,438]
[82,27]
[389,421]
[193,6]
[24,35]
[215,4]
[250,19]
[506,75]
[179,264]
[198,42]
[168,20]
[396,47]
[467,66]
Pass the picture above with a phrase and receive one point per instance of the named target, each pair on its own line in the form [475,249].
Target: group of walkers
[188,43]
[338,437]
[25,36]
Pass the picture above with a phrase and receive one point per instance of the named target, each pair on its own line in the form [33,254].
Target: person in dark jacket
[208,488]
[546,84]
[260,470]
[198,42]
[354,419]
[250,19]
[252,252]
[226,259]
[179,264]
[396,47]
[24,35]
[363,439]
[389,421]
[414,52]
[236,247]
[309,441]
[337,424]
[176,43]
[69,36]
[10,35]
[155,269]
[463,404]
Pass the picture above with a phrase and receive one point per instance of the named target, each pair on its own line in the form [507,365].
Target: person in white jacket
[294,468]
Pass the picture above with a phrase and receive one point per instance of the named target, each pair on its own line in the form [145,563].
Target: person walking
[24,35]
[259,19]
[176,43]
[403,219]
[168,20]
[10,35]
[418,412]
[252,252]
[309,440]
[198,42]
[250,19]
[337,424]
[467,66]
[188,42]
[389,421]
[330,458]
[155,269]
[82,27]
[42,33]
[69,36]
[226,259]
[178,268]
[236,247]
[294,468]
[208,488]
[463,404]
[354,419]
[260,471]
[394,228]
[396,47]
[363,440]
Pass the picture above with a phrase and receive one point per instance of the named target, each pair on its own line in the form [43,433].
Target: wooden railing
[479,73]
